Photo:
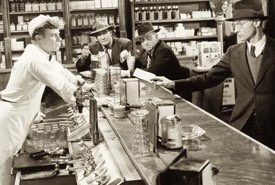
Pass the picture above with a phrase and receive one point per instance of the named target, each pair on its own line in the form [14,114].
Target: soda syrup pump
[81,96]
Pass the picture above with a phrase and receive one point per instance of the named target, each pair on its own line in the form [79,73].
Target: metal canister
[171,132]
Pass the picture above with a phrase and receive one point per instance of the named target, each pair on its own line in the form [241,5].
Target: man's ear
[157,35]
[257,23]
[38,37]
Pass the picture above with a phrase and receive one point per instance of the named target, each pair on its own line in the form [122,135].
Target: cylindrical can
[171,132]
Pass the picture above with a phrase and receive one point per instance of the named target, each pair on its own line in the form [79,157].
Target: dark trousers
[259,131]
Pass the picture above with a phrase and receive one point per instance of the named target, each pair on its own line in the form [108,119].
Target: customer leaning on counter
[118,49]
[20,100]
[252,64]
[157,57]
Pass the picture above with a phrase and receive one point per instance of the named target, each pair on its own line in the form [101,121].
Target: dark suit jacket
[164,63]
[258,97]
[119,44]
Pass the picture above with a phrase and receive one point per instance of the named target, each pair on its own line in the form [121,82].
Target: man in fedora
[118,49]
[252,64]
[158,58]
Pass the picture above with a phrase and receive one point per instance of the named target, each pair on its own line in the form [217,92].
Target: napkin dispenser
[188,171]
[130,92]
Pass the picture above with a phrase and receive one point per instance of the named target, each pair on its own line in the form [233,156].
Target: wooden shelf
[189,38]
[184,57]
[42,12]
[5,71]
[178,20]
[82,28]
[169,2]
[96,9]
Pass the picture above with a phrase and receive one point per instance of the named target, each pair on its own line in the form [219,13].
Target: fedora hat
[145,28]
[247,9]
[99,26]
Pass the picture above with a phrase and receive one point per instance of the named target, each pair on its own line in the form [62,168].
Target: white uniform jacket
[23,93]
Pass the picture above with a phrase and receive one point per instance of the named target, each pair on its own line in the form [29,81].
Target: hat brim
[102,29]
[263,18]
[156,30]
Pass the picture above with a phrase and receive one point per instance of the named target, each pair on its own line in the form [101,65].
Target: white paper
[144,75]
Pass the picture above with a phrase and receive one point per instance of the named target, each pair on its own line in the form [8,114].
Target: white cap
[41,20]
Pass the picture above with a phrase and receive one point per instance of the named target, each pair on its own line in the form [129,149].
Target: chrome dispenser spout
[94,120]
[81,96]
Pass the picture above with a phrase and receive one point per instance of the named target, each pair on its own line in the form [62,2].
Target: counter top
[239,158]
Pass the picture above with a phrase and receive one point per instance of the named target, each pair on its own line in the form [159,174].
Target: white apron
[25,87]
[15,120]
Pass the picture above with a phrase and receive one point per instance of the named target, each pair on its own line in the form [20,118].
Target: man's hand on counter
[39,117]
[163,81]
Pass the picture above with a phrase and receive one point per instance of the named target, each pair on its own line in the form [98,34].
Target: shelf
[5,71]
[78,46]
[169,2]
[20,31]
[42,12]
[189,38]
[87,27]
[96,9]
[178,20]
[184,57]
[82,28]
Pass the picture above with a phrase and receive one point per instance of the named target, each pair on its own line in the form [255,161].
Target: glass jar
[141,143]
[79,21]
[114,72]
[43,6]
[35,6]
[85,20]
[73,20]
[171,132]
[59,5]
[28,6]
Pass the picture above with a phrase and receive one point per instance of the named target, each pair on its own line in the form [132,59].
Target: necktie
[252,51]
[108,58]
[50,57]
[149,60]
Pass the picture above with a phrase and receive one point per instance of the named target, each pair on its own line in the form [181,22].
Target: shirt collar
[44,53]
[259,46]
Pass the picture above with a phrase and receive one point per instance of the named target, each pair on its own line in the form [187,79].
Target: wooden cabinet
[17,13]
[183,23]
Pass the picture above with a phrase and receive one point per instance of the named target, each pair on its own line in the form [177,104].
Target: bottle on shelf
[73,21]
[176,12]
[151,14]
[160,13]
[43,6]
[137,14]
[28,6]
[143,14]
[111,19]
[35,6]
[79,20]
[12,26]
[12,6]
[164,13]
[22,6]
[51,6]
[85,20]
[59,5]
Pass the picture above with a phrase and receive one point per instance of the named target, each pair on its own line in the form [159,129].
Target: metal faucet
[94,120]
[81,96]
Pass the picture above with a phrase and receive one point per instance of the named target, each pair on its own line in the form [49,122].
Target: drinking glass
[189,138]
[141,145]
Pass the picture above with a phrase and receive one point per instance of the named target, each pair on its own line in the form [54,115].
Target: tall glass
[141,143]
